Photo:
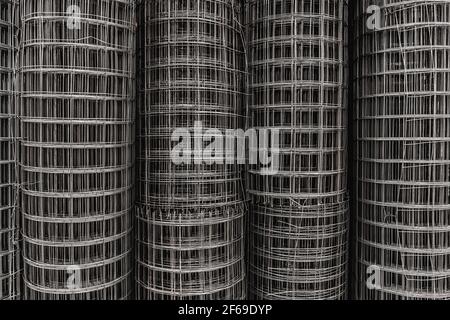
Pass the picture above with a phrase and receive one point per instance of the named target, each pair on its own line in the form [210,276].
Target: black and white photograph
[235,151]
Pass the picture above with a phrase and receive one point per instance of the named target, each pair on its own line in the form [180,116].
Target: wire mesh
[190,225]
[402,114]
[77,130]
[299,216]
[9,249]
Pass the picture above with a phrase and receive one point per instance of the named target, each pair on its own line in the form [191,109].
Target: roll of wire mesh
[402,114]
[77,126]
[299,213]
[190,226]
[9,220]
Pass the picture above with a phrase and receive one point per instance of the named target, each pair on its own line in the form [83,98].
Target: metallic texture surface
[299,215]
[77,129]
[9,218]
[402,116]
[190,217]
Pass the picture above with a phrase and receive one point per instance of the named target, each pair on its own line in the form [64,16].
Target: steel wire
[402,117]
[9,218]
[77,131]
[299,215]
[190,217]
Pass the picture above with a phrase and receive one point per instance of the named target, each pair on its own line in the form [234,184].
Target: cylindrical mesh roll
[77,129]
[299,214]
[190,227]
[402,118]
[9,218]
